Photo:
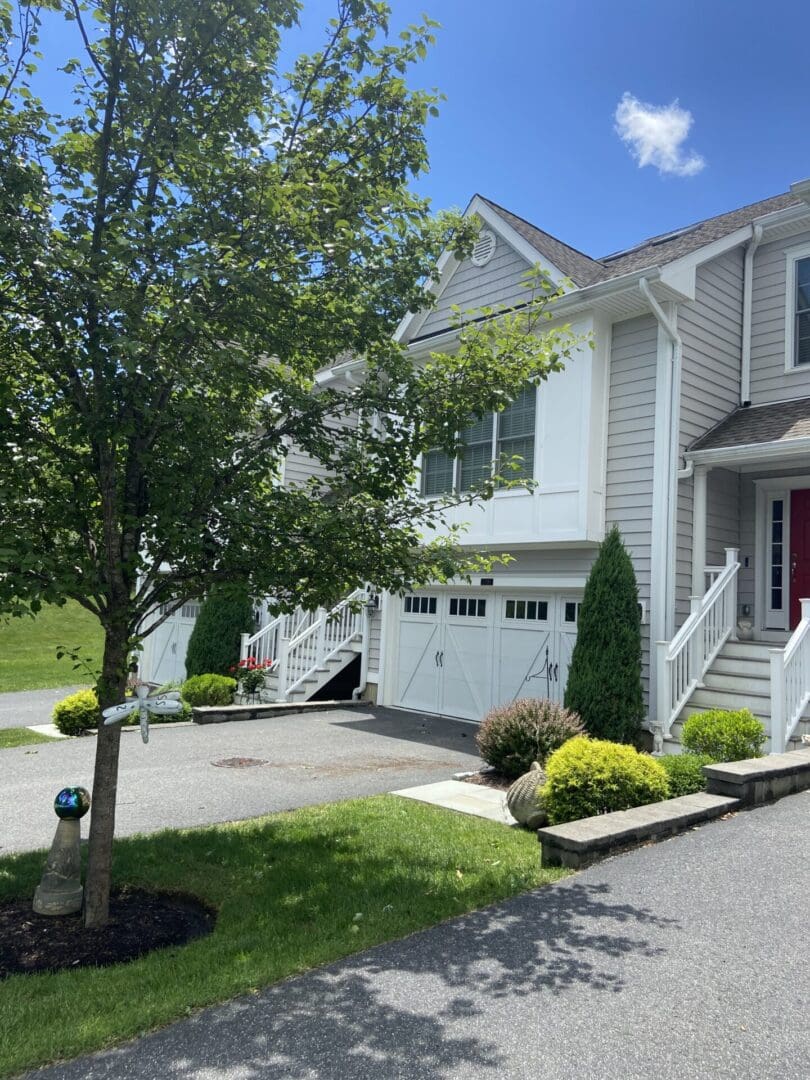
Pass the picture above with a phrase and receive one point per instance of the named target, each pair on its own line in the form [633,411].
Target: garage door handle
[441,658]
[556,669]
[436,658]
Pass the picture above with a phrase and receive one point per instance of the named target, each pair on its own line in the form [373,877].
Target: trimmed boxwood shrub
[685,773]
[77,713]
[226,614]
[593,776]
[209,690]
[604,680]
[724,734]
[511,737]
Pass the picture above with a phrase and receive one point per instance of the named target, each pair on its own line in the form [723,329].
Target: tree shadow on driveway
[439,731]
[433,1005]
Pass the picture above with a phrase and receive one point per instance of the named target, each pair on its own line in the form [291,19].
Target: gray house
[687,425]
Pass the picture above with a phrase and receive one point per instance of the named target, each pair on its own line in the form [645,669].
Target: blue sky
[533,87]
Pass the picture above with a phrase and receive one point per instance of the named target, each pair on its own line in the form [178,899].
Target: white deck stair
[308,648]
[739,678]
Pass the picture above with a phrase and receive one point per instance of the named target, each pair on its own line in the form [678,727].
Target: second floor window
[801,330]
[508,433]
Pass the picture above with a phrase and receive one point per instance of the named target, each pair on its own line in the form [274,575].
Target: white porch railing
[790,682]
[684,661]
[304,641]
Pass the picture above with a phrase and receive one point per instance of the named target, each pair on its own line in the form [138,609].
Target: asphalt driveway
[687,960]
[172,781]
[26,707]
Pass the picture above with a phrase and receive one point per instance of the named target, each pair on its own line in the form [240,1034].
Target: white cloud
[655,135]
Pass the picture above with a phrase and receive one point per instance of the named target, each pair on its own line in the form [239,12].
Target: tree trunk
[111,689]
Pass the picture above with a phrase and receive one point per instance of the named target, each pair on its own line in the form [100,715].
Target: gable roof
[656,251]
[582,269]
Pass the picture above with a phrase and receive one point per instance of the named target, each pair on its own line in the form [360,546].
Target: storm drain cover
[238,762]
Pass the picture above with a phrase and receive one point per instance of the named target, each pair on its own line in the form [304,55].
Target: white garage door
[164,655]
[460,654]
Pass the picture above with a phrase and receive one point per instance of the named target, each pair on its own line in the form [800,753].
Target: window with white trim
[419,605]
[510,433]
[801,313]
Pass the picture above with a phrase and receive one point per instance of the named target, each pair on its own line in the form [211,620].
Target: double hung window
[505,434]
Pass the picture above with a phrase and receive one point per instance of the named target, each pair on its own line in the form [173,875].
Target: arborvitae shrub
[213,647]
[604,680]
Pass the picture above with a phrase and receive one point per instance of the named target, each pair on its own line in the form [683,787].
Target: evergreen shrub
[213,647]
[604,680]
[77,713]
[209,690]
[685,773]
[513,736]
[594,776]
[724,734]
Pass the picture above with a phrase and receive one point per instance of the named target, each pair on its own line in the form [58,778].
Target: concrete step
[737,684]
[730,665]
[749,650]
[710,698]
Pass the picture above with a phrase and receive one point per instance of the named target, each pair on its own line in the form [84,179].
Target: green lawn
[293,891]
[20,736]
[28,648]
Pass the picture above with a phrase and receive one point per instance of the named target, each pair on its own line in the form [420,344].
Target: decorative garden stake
[162,705]
[60,890]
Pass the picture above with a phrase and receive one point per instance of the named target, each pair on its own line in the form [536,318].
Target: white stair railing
[265,644]
[326,635]
[684,661]
[790,683]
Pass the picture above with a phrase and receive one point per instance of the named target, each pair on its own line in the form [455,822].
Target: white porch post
[699,498]
[778,718]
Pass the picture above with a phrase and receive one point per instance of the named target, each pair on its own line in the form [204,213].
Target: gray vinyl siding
[711,331]
[769,380]
[748,509]
[630,445]
[300,467]
[375,632]
[499,282]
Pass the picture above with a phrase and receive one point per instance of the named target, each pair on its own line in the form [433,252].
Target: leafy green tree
[604,680]
[213,647]
[182,253]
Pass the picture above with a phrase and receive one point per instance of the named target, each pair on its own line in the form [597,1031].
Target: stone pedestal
[60,890]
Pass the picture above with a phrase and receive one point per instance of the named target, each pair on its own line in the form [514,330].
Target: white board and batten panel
[567,503]
[163,659]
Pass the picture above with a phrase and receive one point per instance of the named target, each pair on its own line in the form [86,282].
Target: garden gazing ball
[72,802]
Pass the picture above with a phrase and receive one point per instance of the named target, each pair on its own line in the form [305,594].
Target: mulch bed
[489,779]
[140,921]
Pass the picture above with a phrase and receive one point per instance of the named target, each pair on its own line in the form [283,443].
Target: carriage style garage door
[462,653]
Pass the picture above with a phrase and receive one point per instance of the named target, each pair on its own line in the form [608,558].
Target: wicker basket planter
[523,801]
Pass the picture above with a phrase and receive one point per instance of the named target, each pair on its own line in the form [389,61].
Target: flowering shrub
[250,673]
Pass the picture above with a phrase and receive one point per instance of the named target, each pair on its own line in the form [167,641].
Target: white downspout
[748,275]
[671,473]
[360,689]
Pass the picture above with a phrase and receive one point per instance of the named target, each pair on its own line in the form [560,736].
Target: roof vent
[484,248]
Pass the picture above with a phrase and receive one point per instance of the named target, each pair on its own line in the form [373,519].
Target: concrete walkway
[687,960]
[23,708]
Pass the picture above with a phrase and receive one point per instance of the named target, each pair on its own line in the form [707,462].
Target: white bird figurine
[162,705]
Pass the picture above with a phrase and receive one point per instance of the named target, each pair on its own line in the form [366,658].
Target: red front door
[799,552]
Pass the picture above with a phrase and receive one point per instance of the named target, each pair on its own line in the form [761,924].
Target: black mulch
[140,921]
[489,779]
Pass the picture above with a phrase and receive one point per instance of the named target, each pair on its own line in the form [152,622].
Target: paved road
[687,960]
[171,781]
[26,707]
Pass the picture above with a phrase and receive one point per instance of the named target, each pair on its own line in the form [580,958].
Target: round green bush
[685,773]
[724,735]
[209,690]
[513,736]
[77,713]
[592,776]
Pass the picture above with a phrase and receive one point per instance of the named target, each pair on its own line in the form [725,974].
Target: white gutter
[668,552]
[748,273]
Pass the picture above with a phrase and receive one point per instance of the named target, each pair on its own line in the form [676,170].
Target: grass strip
[293,891]
[28,648]
[20,736]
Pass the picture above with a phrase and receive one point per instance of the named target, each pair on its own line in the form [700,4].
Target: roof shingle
[752,426]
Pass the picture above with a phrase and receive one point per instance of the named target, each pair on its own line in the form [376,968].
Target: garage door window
[572,611]
[528,610]
[469,606]
[420,605]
